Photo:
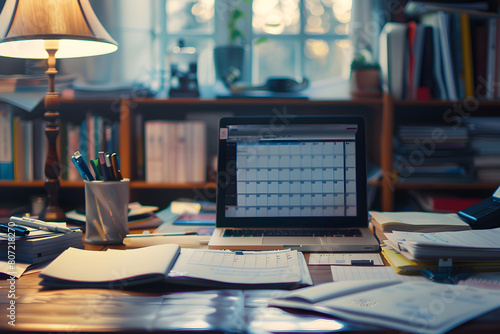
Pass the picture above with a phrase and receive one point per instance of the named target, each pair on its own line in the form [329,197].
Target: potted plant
[228,58]
[365,78]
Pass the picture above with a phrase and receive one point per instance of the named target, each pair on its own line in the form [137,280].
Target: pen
[17,230]
[160,234]
[107,159]
[39,224]
[95,166]
[116,167]
[104,169]
[82,167]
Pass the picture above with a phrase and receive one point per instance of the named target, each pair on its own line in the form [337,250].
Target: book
[466,43]
[471,245]
[444,203]
[417,221]
[403,306]
[392,58]
[83,268]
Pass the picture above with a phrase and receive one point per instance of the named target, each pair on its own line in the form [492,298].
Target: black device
[485,214]
[16,229]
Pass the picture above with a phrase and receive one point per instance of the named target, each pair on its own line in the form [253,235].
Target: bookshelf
[382,117]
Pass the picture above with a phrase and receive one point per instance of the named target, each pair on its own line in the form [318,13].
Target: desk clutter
[41,242]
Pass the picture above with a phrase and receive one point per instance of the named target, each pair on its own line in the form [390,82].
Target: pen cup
[106,211]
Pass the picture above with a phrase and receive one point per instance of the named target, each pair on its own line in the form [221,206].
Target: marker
[95,166]
[82,167]
[104,170]
[40,224]
[20,231]
[107,159]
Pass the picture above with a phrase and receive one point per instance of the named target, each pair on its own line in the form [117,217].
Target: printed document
[282,266]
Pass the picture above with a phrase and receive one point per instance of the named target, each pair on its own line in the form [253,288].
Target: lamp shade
[29,27]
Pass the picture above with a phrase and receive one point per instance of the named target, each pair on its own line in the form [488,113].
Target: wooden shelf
[456,186]
[38,184]
[146,185]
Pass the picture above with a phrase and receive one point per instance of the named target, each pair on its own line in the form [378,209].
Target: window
[285,38]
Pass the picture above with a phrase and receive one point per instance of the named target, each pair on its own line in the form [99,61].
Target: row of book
[23,144]
[175,152]
[441,55]
[427,153]
[441,153]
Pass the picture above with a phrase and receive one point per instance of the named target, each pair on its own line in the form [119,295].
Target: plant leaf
[261,40]
[235,34]
[237,14]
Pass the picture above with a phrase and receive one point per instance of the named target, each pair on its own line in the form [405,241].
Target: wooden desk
[102,310]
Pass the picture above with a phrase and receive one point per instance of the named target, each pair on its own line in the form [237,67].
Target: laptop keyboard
[353,232]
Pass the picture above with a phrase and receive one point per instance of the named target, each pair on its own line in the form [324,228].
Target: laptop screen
[285,171]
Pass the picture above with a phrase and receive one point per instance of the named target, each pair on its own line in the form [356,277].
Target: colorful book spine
[6,144]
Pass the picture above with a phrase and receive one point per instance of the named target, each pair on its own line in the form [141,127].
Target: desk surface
[146,309]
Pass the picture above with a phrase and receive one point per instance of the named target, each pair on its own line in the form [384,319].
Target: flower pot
[228,61]
[365,83]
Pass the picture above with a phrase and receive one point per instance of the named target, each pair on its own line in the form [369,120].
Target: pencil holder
[106,211]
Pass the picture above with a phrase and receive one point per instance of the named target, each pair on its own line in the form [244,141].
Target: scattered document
[353,273]
[416,307]
[345,259]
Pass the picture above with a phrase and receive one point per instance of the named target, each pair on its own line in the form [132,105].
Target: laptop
[295,182]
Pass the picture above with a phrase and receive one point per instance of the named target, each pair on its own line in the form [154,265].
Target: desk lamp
[50,29]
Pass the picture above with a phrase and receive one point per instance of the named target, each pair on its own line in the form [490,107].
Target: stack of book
[485,140]
[426,153]
[175,152]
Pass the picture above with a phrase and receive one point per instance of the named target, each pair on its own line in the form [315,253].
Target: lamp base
[53,214]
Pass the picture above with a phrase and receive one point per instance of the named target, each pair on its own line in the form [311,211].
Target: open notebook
[294,182]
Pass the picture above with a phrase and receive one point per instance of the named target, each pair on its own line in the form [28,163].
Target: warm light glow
[68,48]
[342,10]
[316,48]
[275,16]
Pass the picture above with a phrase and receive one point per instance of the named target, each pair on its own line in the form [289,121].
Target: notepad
[168,263]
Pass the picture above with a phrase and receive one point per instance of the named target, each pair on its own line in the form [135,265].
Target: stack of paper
[472,245]
[402,265]
[39,246]
[417,221]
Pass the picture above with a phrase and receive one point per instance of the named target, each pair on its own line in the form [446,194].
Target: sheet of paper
[239,267]
[15,269]
[353,273]
[489,238]
[343,259]
[423,307]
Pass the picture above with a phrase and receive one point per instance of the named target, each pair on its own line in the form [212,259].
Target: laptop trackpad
[290,241]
